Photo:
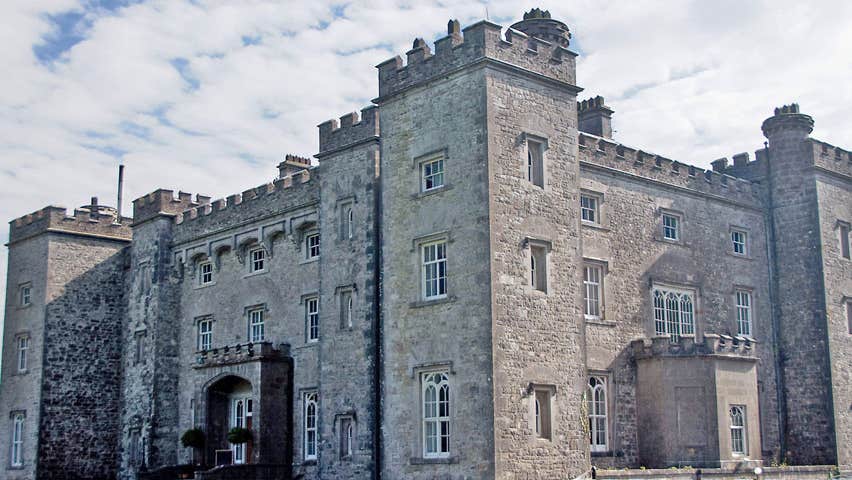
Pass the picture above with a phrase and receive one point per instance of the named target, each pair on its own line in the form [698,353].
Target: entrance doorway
[230,404]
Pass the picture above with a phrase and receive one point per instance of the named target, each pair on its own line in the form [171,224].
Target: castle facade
[475,280]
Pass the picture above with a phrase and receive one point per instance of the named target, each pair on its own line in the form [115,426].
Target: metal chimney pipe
[120,188]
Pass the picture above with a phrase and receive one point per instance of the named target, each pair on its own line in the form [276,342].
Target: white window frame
[310,419]
[590,208]
[741,243]
[312,245]
[256,324]
[205,337]
[669,321]
[257,259]
[433,270]
[312,319]
[350,223]
[432,173]
[739,433]
[22,343]
[598,408]
[205,272]
[435,413]
[346,437]
[17,440]
[671,222]
[26,295]
[744,302]
[593,306]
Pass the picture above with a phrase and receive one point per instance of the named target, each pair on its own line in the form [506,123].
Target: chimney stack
[594,117]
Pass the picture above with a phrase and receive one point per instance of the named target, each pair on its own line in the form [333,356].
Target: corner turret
[788,122]
[537,23]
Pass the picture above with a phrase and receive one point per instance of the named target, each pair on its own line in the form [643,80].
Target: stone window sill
[436,301]
[434,191]
[600,322]
[594,226]
[603,454]
[309,463]
[309,260]
[434,461]
[740,256]
[199,286]
[254,274]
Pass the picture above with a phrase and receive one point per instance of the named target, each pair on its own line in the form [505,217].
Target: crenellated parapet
[829,157]
[91,220]
[478,42]
[351,130]
[163,202]
[603,152]
[711,344]
[266,199]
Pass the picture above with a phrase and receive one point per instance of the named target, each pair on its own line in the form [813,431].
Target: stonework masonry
[473,279]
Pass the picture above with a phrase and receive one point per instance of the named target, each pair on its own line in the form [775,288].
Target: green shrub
[239,435]
[193,437]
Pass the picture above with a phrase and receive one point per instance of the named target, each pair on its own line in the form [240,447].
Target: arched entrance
[230,403]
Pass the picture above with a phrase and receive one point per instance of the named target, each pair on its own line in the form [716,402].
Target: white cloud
[689,80]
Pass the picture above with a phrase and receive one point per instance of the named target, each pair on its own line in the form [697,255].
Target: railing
[252,471]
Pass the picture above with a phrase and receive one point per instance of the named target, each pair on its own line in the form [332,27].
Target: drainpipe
[377,319]
[769,220]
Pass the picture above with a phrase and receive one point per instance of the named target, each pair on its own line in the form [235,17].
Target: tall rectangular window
[311,415]
[432,174]
[541,407]
[256,325]
[535,162]
[346,309]
[849,313]
[844,240]
[738,430]
[23,349]
[205,334]
[738,242]
[435,394]
[671,227]
[744,315]
[17,459]
[257,259]
[136,447]
[434,270]
[138,347]
[205,273]
[26,295]
[312,245]
[592,290]
[589,209]
[347,437]
[312,318]
[673,312]
[538,267]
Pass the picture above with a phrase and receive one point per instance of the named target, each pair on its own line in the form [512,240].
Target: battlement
[606,153]
[787,119]
[831,158]
[713,344]
[477,42]
[351,129]
[163,202]
[91,220]
[208,211]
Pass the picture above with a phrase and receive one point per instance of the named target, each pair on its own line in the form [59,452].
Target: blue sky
[208,96]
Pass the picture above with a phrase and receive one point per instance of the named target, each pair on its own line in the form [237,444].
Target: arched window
[349,435]
[349,312]
[537,417]
[436,414]
[673,312]
[598,438]
[350,223]
[18,440]
[532,271]
[310,447]
[738,430]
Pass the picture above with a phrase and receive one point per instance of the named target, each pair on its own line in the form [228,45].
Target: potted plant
[239,435]
[193,438]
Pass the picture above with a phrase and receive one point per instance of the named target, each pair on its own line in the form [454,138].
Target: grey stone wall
[453,334]
[79,423]
[538,336]
[801,304]
[19,391]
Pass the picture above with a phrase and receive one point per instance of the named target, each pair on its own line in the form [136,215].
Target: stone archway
[230,403]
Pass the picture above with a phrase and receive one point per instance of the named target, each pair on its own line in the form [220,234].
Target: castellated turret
[537,23]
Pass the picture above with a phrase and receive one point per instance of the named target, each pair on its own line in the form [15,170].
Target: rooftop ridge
[464,46]
[211,210]
[351,129]
[608,153]
[83,221]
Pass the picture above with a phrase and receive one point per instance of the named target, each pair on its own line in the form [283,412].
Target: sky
[208,96]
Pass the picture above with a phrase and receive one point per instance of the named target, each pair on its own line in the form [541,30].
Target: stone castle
[485,284]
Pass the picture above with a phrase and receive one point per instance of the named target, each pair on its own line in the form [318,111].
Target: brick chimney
[293,164]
